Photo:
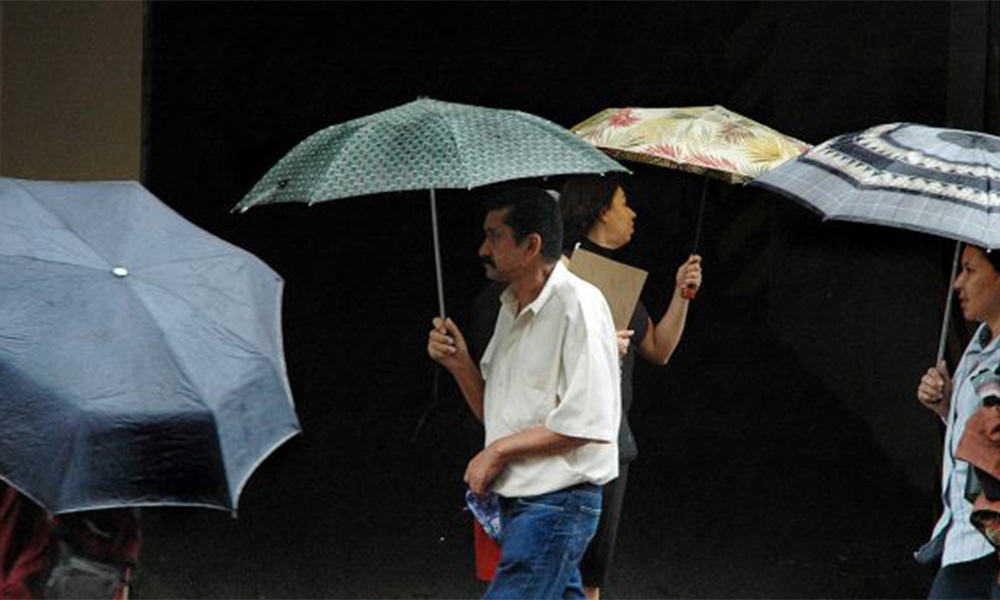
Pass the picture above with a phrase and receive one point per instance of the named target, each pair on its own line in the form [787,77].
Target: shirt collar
[509,300]
[982,337]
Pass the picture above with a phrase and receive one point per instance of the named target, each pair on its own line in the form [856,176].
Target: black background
[782,451]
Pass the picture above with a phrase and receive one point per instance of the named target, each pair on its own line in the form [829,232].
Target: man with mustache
[547,392]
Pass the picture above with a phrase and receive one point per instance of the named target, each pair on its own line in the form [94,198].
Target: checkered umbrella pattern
[940,181]
[425,144]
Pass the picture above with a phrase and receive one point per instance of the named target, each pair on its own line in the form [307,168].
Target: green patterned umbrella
[425,144]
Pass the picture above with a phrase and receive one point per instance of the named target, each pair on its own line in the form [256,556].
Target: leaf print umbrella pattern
[710,140]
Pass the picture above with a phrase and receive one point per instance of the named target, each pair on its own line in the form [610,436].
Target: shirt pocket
[531,405]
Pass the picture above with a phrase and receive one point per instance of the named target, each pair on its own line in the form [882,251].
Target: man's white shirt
[555,364]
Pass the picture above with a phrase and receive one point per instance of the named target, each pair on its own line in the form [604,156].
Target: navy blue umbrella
[141,358]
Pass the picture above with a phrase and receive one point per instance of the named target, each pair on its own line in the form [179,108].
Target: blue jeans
[542,542]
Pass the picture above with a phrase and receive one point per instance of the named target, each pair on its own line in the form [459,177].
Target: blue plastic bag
[486,509]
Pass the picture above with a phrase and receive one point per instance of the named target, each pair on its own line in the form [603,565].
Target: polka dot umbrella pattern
[425,144]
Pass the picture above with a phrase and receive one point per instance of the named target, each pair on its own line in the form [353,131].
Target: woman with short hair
[597,218]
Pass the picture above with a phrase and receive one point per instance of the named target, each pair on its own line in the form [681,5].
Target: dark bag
[93,554]
[74,575]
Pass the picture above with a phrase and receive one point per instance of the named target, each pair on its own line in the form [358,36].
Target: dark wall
[802,350]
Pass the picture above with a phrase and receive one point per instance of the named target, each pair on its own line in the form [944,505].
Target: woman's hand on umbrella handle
[934,390]
[446,344]
[689,277]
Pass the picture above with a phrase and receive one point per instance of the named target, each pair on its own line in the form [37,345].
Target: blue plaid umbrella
[425,144]
[940,181]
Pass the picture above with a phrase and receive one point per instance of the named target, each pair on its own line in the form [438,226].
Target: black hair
[530,210]
[994,257]
[582,200]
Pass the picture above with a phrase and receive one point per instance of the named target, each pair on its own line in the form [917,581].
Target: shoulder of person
[584,302]
[573,290]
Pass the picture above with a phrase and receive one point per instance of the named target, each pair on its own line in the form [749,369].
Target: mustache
[488,261]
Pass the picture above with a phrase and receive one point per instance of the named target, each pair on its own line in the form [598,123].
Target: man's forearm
[470,381]
[537,441]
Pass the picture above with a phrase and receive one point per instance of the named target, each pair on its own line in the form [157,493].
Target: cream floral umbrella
[711,140]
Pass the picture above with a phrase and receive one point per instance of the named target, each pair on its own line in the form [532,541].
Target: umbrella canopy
[425,144]
[140,357]
[710,140]
[940,181]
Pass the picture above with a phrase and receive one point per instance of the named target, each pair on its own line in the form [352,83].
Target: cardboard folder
[619,282]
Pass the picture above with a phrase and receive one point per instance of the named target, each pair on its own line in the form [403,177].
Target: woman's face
[618,220]
[978,287]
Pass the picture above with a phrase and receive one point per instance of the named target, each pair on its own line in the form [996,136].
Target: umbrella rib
[253,467]
[454,141]
[163,263]
[22,490]
[60,221]
[544,127]
[170,349]
[989,197]
[243,342]
[280,371]
[188,379]
[149,504]
[53,262]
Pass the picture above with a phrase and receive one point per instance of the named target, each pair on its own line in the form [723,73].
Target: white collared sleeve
[484,361]
[589,385]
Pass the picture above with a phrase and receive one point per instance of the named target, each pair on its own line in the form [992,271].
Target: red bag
[25,531]
[487,553]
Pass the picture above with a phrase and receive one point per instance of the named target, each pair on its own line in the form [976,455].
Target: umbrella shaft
[437,254]
[947,305]
[701,216]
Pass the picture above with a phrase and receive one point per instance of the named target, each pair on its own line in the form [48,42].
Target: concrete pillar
[71,89]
